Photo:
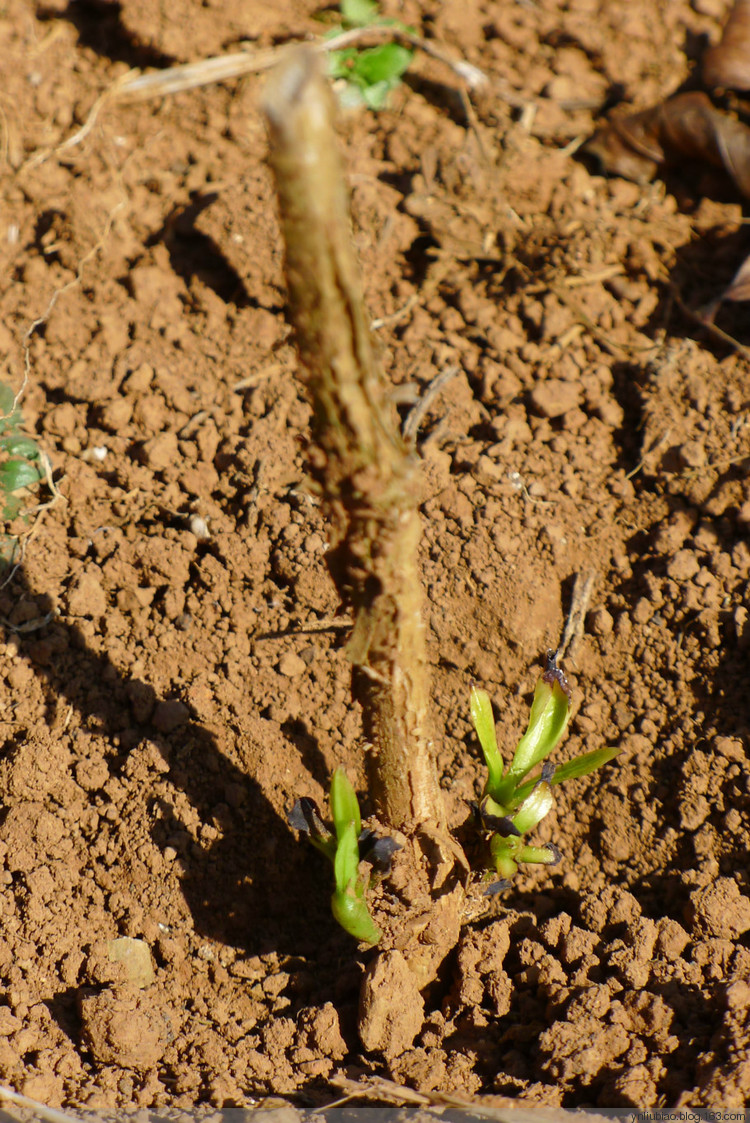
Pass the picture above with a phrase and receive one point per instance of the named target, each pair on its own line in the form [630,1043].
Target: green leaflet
[582,765]
[344,804]
[484,724]
[550,711]
[346,861]
[370,73]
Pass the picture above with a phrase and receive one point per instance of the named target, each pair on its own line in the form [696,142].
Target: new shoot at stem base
[344,848]
[511,805]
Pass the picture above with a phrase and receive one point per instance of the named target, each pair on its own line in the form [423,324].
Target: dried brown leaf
[629,146]
[691,128]
[739,287]
[727,65]
[685,127]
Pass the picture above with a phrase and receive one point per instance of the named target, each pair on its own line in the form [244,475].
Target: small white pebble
[13,233]
[199,527]
[99,452]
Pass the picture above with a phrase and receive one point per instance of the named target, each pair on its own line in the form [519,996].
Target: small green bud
[550,711]
[533,810]
[350,911]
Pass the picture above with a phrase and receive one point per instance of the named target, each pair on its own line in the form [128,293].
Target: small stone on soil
[291,665]
[554,397]
[169,715]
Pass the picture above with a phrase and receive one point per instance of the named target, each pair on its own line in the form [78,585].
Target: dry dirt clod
[124,1027]
[391,1008]
[429,876]
[721,910]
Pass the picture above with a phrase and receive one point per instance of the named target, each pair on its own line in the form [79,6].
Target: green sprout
[20,467]
[369,74]
[344,847]
[511,804]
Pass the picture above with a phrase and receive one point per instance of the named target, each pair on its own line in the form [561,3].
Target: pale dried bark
[370,487]
[369,481]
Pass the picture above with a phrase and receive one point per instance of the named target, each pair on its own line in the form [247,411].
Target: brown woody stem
[369,481]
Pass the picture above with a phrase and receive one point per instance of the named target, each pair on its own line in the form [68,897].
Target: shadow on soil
[251,886]
[100,27]
[194,254]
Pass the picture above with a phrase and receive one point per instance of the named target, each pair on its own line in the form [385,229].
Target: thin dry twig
[224,67]
[657,444]
[583,587]
[499,1109]
[258,376]
[708,325]
[41,320]
[416,415]
[136,86]
[39,1109]
[315,627]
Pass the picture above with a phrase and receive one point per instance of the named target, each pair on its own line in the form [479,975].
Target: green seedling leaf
[503,852]
[508,852]
[11,507]
[550,711]
[510,808]
[344,805]
[386,63]
[370,74]
[346,862]
[583,765]
[375,97]
[350,911]
[358,13]
[348,901]
[18,445]
[15,474]
[484,725]
[580,766]
[547,855]
[10,414]
[533,810]
[341,63]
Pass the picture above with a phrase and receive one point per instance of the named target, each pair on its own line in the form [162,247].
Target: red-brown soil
[187,688]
